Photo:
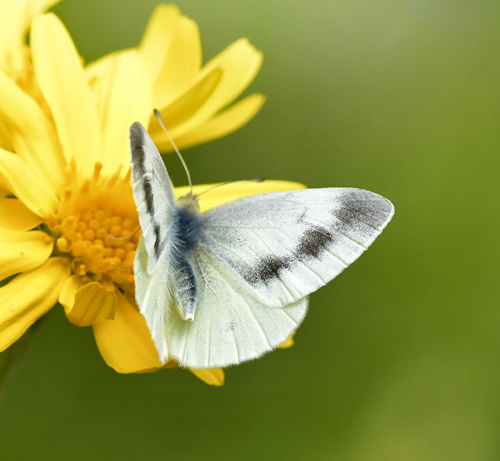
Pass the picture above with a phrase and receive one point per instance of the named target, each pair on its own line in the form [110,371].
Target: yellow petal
[288,343]
[92,304]
[17,177]
[62,80]
[158,36]
[185,106]
[240,62]
[31,134]
[68,292]
[29,296]
[14,215]
[23,251]
[212,376]
[174,42]
[125,343]
[14,22]
[38,6]
[221,125]
[96,70]
[232,191]
[5,141]
[123,97]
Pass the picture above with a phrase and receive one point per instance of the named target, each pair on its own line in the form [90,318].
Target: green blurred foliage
[399,357]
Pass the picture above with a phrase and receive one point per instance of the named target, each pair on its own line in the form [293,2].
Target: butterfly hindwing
[230,327]
[153,297]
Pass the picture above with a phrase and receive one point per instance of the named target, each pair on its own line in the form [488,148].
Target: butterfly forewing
[285,245]
[153,194]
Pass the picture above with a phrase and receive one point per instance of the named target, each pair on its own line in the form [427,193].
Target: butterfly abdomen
[186,229]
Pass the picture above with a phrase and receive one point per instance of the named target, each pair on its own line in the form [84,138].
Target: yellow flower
[192,99]
[65,189]
[15,20]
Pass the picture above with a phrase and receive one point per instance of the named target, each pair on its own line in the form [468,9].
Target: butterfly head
[190,203]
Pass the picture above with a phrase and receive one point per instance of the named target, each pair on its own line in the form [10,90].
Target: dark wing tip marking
[137,132]
[359,205]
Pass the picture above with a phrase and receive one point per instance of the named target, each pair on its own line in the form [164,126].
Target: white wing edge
[153,298]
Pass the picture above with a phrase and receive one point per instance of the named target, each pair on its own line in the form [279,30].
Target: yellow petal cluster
[67,218]
[15,19]
[193,99]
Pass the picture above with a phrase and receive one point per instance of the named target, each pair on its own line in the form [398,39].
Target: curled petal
[221,125]
[125,343]
[92,304]
[14,215]
[228,192]
[17,177]
[29,296]
[212,376]
[68,292]
[239,63]
[23,251]
[62,80]
[182,109]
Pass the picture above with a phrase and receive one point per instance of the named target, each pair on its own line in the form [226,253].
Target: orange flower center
[97,228]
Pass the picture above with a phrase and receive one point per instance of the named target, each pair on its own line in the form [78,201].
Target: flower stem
[11,358]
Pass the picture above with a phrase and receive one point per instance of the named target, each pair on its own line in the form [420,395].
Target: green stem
[11,358]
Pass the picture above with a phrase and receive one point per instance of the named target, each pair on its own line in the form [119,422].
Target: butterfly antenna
[160,121]
[231,182]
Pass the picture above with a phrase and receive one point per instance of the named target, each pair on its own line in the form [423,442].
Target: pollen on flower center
[96,228]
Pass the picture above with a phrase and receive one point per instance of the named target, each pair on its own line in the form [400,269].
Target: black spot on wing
[270,269]
[314,241]
[148,197]
[311,245]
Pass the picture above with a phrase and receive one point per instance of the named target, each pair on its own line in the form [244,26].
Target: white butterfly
[231,284]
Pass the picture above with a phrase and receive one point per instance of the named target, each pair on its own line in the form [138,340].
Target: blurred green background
[399,358]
